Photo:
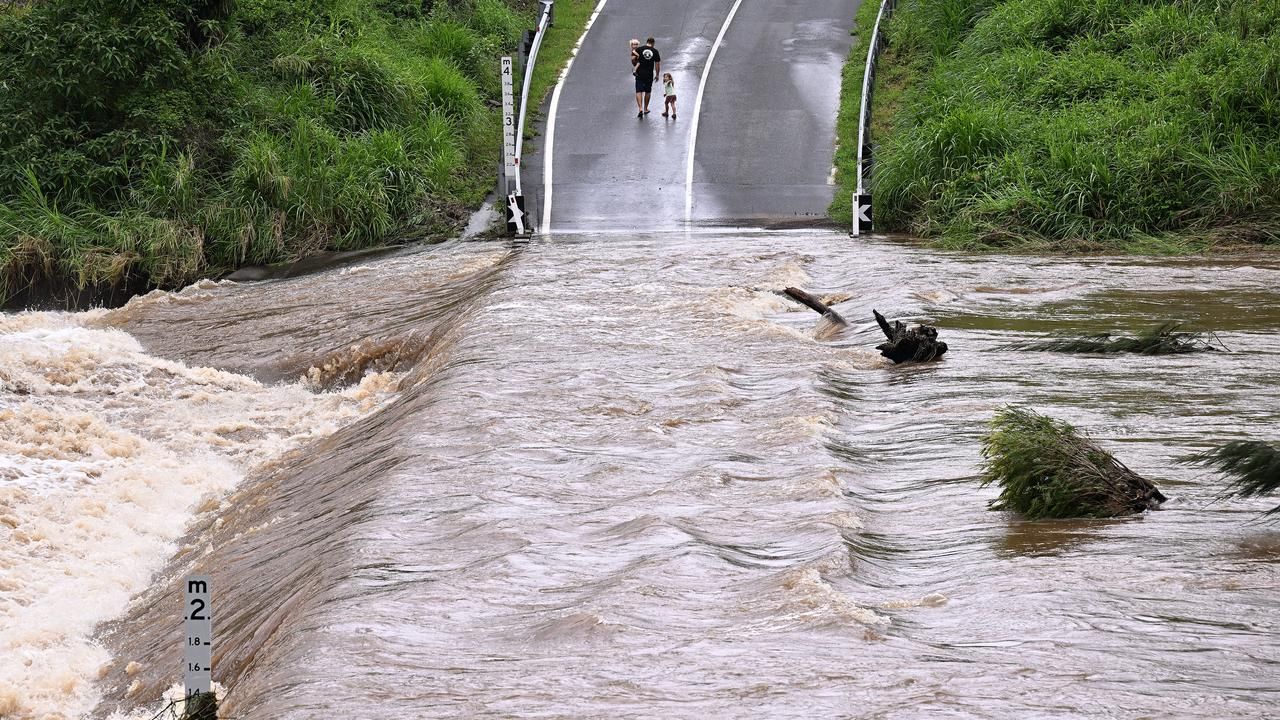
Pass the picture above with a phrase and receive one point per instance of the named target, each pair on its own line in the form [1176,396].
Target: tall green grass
[1085,124]
[166,139]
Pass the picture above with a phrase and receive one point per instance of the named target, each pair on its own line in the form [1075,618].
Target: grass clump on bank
[1165,339]
[1045,468]
[163,140]
[1254,464]
[1137,125]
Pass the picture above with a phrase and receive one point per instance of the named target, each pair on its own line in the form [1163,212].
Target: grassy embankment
[1075,125]
[164,140]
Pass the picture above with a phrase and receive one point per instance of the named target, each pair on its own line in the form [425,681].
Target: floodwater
[619,476]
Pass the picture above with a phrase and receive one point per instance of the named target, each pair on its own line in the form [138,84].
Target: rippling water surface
[619,476]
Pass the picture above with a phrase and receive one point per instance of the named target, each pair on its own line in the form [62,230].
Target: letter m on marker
[197,586]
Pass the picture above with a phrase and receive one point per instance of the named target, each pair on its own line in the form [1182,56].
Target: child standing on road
[669,95]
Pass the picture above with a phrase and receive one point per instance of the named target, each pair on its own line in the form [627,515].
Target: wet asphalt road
[766,131]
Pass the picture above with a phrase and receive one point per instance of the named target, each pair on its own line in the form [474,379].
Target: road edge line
[549,146]
[697,112]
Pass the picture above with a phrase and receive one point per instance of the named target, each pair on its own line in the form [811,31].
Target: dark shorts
[644,83]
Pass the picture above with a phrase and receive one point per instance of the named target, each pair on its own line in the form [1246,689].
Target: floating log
[1047,469]
[919,344]
[813,303]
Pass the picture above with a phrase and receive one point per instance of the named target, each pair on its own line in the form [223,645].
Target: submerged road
[757,148]
[615,475]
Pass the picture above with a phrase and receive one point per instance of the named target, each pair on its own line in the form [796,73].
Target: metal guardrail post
[514,201]
[862,199]
[543,23]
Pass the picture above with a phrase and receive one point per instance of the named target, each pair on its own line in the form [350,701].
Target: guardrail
[548,17]
[861,198]
[511,186]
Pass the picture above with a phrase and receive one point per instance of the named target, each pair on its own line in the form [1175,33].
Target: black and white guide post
[861,213]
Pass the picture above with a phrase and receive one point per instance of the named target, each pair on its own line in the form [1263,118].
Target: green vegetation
[892,80]
[1165,339]
[201,706]
[1134,125]
[1255,465]
[1046,469]
[168,139]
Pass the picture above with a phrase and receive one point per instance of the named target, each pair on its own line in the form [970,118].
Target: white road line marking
[697,113]
[549,147]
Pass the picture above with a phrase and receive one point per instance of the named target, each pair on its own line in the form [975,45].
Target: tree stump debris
[919,344]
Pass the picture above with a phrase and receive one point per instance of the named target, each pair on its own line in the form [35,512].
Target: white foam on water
[195,293]
[785,271]
[932,600]
[106,453]
[813,600]
[172,704]
[750,304]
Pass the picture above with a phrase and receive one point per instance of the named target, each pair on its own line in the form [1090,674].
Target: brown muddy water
[617,476]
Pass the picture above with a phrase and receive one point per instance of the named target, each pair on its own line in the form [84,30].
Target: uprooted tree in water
[1047,469]
[918,344]
[1165,339]
[1254,464]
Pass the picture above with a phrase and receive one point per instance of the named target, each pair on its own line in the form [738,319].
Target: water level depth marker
[197,649]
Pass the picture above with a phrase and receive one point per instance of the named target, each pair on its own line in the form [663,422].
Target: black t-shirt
[648,57]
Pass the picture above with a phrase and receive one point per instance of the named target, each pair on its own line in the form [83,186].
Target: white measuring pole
[510,170]
[197,652]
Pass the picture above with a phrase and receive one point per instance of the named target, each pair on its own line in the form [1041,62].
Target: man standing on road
[648,69]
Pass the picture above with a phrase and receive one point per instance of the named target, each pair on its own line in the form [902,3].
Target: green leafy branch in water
[1047,469]
[1254,463]
[1165,339]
